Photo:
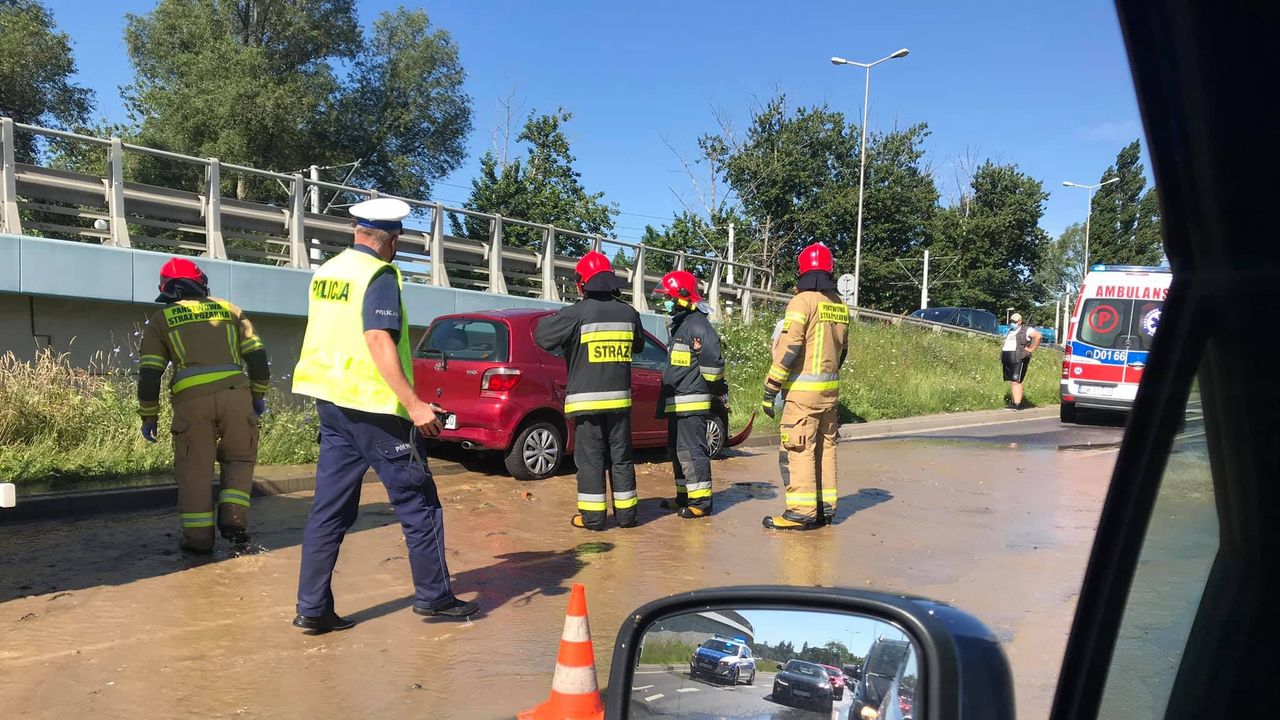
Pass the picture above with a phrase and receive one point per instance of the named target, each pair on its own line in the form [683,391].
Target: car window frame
[1191,82]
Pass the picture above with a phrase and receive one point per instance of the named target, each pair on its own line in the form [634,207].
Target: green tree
[542,188]
[796,174]
[260,83]
[1062,263]
[36,67]
[996,237]
[1125,223]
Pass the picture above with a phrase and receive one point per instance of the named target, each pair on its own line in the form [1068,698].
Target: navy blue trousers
[350,443]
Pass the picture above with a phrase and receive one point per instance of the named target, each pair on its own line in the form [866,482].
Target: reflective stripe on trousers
[687,403]
[597,401]
[592,502]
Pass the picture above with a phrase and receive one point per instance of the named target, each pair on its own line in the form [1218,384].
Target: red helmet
[591,264]
[679,285]
[816,257]
[180,268]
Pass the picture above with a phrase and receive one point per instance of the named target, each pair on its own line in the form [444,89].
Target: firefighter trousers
[687,445]
[219,426]
[807,457]
[600,441]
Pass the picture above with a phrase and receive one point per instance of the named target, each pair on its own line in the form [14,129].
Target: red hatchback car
[508,394]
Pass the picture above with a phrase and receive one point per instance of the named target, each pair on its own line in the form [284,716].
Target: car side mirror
[918,658]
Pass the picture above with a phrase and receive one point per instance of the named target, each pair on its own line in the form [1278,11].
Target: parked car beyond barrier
[508,394]
[971,318]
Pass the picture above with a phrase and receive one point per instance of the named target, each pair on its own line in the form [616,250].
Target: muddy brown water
[100,615]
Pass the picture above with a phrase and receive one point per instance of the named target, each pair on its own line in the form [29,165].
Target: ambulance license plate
[1098,390]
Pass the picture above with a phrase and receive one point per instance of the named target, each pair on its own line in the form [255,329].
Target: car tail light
[1066,368]
[499,380]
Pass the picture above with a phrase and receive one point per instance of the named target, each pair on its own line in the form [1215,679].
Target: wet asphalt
[101,615]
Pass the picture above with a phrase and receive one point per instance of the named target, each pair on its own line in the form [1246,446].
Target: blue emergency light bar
[1130,268]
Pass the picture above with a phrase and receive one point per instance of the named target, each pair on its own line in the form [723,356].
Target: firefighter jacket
[210,343]
[695,367]
[809,352]
[598,335]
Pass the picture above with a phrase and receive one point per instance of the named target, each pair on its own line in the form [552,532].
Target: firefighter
[215,406]
[807,357]
[598,335]
[356,362]
[694,374]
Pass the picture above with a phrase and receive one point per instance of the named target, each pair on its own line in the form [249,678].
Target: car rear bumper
[1122,400]
[477,438]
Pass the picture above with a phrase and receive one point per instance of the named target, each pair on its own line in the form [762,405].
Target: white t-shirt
[1011,339]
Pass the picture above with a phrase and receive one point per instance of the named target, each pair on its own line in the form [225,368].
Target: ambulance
[1110,335]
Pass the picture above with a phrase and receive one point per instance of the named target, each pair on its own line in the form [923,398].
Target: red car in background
[837,682]
[508,394]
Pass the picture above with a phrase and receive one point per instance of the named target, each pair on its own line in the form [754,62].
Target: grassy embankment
[891,372]
[61,424]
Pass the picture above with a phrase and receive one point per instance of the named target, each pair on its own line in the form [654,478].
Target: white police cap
[381,213]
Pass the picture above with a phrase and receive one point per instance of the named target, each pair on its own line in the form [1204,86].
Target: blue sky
[1045,85]
[800,627]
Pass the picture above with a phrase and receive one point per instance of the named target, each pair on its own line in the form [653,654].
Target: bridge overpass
[80,252]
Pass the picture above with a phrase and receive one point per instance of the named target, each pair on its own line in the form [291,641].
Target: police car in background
[724,658]
[1110,335]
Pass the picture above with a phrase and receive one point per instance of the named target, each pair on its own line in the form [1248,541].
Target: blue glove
[149,428]
[259,406]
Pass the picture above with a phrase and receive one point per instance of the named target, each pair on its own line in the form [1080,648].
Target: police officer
[694,374]
[598,335]
[215,407]
[807,357]
[355,362]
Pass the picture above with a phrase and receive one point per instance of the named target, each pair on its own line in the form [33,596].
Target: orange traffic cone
[574,693]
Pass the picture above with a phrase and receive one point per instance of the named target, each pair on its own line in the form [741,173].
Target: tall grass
[666,652]
[891,372]
[62,422]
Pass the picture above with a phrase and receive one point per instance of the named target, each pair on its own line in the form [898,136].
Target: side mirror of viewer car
[917,658]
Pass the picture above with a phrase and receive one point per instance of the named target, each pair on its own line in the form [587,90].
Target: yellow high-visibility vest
[335,363]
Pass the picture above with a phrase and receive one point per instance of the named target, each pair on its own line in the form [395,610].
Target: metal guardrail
[867,315]
[287,227]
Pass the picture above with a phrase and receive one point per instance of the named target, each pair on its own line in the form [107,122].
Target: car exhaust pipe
[468,445]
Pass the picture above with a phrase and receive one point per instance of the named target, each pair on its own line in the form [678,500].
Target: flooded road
[101,615]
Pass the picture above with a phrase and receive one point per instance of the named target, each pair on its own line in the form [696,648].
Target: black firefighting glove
[770,395]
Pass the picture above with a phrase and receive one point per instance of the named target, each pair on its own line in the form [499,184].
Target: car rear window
[936,314]
[467,339]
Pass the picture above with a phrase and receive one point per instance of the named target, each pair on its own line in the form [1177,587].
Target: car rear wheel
[1067,412]
[536,452]
[717,433]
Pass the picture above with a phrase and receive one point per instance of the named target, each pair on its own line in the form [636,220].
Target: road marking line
[642,687]
[651,698]
[687,690]
[910,433]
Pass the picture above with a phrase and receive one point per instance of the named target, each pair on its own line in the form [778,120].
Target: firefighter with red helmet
[598,336]
[210,344]
[807,356]
[693,376]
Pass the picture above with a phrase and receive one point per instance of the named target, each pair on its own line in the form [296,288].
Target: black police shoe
[457,609]
[324,623]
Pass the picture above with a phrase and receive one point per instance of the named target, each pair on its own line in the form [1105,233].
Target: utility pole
[924,286]
[730,252]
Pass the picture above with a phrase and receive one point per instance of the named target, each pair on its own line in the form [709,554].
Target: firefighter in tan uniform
[807,356]
[215,406]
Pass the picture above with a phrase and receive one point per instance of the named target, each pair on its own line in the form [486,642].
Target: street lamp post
[862,165]
[1087,216]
